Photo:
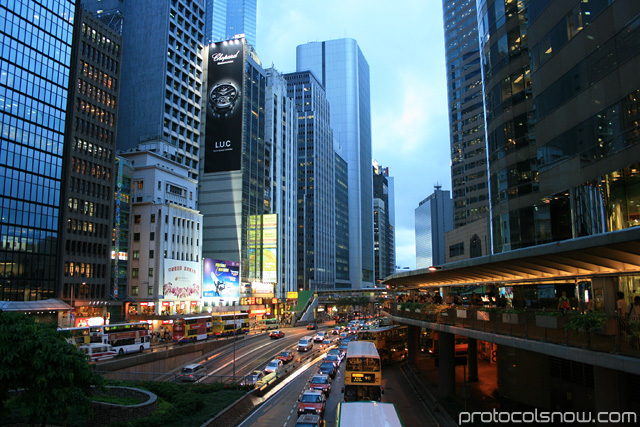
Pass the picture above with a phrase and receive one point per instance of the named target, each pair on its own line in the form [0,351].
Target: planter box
[461,314]
[547,321]
[484,315]
[513,318]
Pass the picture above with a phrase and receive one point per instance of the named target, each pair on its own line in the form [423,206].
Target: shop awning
[40,305]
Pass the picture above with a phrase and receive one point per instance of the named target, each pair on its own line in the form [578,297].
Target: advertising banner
[269,248]
[223,134]
[221,280]
[182,280]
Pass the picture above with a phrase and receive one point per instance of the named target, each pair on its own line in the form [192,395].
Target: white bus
[367,414]
[123,337]
[362,372]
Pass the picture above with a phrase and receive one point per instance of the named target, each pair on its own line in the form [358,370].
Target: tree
[41,374]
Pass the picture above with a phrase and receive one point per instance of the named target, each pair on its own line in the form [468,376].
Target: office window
[152,236]
[137,219]
[151,254]
[151,272]
[153,217]
[150,290]
[136,237]
[134,291]
[136,254]
[134,273]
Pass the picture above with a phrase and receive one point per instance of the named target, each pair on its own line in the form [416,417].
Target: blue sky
[403,42]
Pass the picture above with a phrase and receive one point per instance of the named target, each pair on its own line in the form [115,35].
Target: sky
[403,42]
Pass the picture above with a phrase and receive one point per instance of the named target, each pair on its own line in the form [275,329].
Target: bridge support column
[414,344]
[446,364]
[472,357]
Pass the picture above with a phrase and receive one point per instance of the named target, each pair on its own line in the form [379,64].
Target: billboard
[182,280]
[269,248]
[223,132]
[221,280]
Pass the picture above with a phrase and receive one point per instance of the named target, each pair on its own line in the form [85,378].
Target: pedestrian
[621,305]
[634,309]
[564,304]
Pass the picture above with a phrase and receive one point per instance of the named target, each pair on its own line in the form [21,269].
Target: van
[305,344]
[193,372]
[97,351]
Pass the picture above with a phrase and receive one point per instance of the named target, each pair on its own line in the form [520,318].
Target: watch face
[222,98]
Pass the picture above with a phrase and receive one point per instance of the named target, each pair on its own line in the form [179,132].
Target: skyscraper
[315,182]
[215,27]
[434,217]
[342,69]
[161,74]
[383,226]
[241,19]
[469,178]
[34,122]
[89,175]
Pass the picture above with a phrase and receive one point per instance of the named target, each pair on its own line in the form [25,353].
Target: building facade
[340,64]
[89,177]
[163,102]
[315,183]
[215,21]
[470,191]
[434,217]
[165,233]
[343,275]
[35,126]
[280,134]
[241,19]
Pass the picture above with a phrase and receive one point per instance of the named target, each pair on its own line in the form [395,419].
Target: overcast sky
[403,42]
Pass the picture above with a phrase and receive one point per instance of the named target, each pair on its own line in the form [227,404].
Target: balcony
[597,332]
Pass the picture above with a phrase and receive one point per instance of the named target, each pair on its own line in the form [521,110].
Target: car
[311,326]
[337,352]
[252,378]
[310,420]
[319,337]
[343,348]
[193,372]
[305,344]
[336,330]
[333,358]
[286,356]
[276,334]
[321,382]
[273,366]
[328,368]
[312,402]
[344,335]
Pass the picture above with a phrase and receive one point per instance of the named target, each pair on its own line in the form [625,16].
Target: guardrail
[595,331]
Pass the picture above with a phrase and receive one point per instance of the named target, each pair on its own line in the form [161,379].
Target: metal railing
[591,330]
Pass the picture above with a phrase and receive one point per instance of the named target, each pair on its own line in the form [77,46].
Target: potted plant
[548,319]
[513,316]
[591,322]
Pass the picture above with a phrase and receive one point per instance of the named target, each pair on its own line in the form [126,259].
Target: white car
[319,337]
[273,366]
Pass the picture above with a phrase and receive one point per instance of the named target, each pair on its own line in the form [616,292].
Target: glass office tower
[35,65]
[241,19]
[434,217]
[344,72]
[215,26]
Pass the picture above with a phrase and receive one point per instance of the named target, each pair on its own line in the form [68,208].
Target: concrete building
[166,233]
[161,85]
[340,66]
[315,183]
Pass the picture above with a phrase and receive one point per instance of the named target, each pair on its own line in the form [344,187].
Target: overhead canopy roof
[605,254]
[40,305]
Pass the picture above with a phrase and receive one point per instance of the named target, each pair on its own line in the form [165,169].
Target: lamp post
[235,334]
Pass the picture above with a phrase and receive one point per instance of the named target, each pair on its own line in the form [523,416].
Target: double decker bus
[190,329]
[123,337]
[362,372]
[227,324]
[390,341]
[371,414]
[77,336]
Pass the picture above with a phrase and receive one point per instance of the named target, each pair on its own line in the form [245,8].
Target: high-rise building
[315,183]
[236,189]
[123,172]
[343,277]
[562,108]
[34,128]
[89,174]
[161,83]
[215,26]
[241,19]
[433,218]
[342,69]
[383,228]
[470,191]
[281,131]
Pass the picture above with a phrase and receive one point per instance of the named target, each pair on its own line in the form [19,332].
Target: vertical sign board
[223,134]
[270,248]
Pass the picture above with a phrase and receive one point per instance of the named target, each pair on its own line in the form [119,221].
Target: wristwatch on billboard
[222,98]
